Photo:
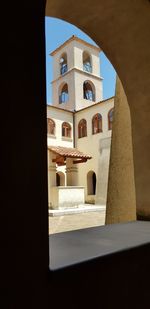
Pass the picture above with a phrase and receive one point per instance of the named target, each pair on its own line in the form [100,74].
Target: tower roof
[72,38]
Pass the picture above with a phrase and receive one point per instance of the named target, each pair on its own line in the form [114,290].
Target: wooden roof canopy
[62,153]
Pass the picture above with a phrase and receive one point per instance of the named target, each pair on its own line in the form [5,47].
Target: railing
[89,95]
[63,69]
[63,97]
[87,67]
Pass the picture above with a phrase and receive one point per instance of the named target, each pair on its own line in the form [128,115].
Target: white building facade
[78,119]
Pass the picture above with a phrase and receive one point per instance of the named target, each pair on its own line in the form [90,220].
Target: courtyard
[76,221]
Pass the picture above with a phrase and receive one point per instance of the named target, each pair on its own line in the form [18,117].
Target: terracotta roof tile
[68,152]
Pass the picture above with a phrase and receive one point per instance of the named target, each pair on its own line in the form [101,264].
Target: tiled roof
[68,152]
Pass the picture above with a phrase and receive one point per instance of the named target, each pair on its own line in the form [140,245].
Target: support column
[71,172]
[51,176]
[121,203]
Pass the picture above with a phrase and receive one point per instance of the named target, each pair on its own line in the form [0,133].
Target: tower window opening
[97,124]
[63,64]
[88,91]
[82,128]
[64,96]
[50,126]
[87,66]
[66,129]
[110,119]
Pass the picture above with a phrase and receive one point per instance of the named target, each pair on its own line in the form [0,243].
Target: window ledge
[51,136]
[69,139]
[100,241]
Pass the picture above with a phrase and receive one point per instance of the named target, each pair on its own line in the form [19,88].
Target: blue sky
[57,32]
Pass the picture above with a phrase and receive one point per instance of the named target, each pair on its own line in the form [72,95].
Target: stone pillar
[51,176]
[103,169]
[71,172]
[121,203]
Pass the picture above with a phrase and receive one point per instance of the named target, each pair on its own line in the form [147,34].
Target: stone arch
[60,179]
[51,126]
[82,128]
[66,129]
[91,183]
[97,123]
[120,57]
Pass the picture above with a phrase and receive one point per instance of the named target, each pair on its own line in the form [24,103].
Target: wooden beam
[83,160]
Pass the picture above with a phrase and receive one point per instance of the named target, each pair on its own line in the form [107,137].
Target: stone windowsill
[69,139]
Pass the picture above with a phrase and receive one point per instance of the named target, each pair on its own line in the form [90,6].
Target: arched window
[91,183]
[87,66]
[110,119]
[88,91]
[64,96]
[82,128]
[63,64]
[96,124]
[66,129]
[50,126]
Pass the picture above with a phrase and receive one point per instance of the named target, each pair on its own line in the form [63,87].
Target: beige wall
[59,116]
[92,143]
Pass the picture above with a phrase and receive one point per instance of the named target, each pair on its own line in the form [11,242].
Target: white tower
[76,82]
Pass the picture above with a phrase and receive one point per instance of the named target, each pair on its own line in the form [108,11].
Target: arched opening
[87,63]
[63,64]
[50,126]
[64,95]
[97,124]
[82,128]
[110,119]
[66,129]
[60,179]
[89,91]
[91,183]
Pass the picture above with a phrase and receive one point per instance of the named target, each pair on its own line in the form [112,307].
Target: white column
[121,203]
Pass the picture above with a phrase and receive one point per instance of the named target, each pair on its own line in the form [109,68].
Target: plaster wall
[66,197]
[91,145]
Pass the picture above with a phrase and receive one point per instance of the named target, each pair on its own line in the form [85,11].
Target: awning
[64,152]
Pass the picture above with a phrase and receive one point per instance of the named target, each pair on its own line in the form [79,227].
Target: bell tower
[76,75]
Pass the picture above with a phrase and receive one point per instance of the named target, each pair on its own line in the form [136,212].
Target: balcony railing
[87,67]
[63,69]
[63,97]
[89,95]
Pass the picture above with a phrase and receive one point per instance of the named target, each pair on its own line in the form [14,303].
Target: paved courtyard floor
[70,222]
